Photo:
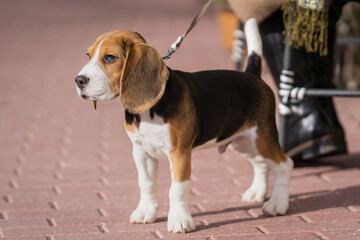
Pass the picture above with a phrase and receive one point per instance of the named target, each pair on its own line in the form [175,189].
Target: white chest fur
[152,136]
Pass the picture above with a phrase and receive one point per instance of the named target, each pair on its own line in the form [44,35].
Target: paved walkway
[66,171]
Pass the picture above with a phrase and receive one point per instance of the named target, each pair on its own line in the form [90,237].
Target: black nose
[81,81]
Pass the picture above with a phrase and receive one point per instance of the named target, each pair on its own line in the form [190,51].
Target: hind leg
[281,166]
[264,152]
[258,189]
[278,203]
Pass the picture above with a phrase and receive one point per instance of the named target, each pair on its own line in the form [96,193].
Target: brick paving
[66,171]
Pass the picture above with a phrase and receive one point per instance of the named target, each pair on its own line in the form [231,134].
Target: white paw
[144,213]
[276,206]
[180,221]
[254,195]
[279,201]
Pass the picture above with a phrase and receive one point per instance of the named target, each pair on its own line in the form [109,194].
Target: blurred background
[60,159]
[43,45]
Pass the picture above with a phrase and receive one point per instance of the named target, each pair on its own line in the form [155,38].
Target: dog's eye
[108,59]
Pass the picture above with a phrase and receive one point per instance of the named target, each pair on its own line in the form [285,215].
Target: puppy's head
[122,64]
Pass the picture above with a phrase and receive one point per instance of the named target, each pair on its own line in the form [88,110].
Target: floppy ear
[143,78]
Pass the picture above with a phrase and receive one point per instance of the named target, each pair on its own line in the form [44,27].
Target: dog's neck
[168,104]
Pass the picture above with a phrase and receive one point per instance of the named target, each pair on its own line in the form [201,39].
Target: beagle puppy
[170,113]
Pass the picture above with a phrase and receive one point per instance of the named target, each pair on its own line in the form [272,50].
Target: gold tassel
[306,24]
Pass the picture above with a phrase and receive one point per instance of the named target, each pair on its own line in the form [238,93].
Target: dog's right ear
[143,78]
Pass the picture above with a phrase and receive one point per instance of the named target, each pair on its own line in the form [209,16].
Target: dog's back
[223,100]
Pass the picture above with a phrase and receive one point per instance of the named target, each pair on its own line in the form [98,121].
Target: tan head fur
[129,68]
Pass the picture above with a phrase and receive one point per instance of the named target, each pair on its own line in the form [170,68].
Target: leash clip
[176,45]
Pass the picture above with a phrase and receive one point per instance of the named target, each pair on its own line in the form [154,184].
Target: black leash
[176,45]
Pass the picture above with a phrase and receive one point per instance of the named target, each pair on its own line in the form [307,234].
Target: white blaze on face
[98,87]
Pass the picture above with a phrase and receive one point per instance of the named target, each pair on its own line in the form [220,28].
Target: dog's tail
[254,47]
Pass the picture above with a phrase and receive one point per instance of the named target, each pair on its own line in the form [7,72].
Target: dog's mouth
[93,100]
[83,96]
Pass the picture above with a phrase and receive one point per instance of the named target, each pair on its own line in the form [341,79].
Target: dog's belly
[213,143]
[245,136]
[152,136]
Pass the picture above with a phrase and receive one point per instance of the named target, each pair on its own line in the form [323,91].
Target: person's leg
[313,125]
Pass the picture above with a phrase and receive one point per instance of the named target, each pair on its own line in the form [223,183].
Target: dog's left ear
[143,77]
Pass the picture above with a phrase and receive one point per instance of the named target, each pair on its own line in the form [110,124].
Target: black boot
[313,129]
[311,132]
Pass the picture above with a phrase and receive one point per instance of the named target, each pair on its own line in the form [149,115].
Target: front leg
[179,218]
[147,172]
